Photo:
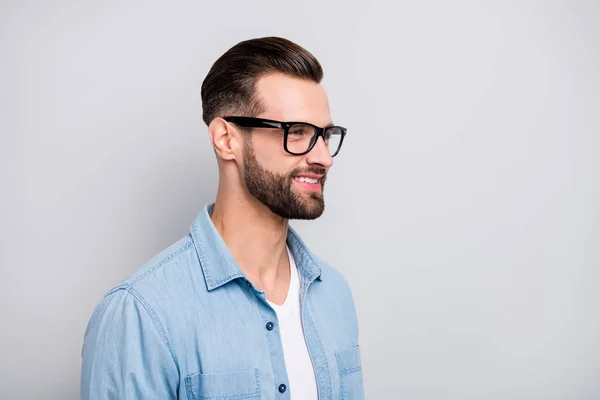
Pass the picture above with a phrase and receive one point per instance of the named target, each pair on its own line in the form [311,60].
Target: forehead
[286,98]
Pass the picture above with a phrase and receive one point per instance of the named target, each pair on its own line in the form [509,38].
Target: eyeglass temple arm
[255,122]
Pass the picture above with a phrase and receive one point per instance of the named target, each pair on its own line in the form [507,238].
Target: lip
[311,187]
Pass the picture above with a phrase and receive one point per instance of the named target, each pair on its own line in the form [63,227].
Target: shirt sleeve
[126,354]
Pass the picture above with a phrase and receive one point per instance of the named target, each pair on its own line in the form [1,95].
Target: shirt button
[282,388]
[248,284]
[270,326]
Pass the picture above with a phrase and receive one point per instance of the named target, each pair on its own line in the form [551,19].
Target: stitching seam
[168,258]
[155,319]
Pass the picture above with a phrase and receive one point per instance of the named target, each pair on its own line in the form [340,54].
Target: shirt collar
[219,266]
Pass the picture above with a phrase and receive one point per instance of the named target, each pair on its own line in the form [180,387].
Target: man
[240,308]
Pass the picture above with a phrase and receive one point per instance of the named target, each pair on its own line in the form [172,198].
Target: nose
[320,154]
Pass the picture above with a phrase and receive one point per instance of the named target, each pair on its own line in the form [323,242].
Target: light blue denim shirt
[190,325]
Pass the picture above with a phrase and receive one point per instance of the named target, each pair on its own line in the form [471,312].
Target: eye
[300,130]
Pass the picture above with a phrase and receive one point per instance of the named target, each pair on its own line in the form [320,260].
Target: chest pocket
[350,371]
[241,385]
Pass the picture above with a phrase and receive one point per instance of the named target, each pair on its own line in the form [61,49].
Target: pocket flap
[235,385]
[348,360]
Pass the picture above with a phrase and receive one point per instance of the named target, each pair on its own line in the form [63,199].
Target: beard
[275,190]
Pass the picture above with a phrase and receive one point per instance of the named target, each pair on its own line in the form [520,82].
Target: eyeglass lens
[301,137]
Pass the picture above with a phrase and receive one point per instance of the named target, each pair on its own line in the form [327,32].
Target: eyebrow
[329,125]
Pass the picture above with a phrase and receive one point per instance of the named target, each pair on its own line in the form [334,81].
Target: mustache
[310,170]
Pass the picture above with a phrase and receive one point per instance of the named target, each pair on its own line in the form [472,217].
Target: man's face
[283,182]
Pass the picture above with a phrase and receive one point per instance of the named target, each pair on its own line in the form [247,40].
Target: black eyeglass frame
[252,122]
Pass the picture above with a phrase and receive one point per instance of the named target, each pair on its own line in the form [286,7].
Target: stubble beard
[275,190]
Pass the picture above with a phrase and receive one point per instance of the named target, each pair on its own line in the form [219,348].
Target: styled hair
[229,87]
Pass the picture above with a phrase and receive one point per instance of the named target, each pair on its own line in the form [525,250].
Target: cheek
[280,165]
[268,144]
[271,156]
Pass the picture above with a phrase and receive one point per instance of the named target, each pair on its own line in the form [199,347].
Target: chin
[312,211]
[307,217]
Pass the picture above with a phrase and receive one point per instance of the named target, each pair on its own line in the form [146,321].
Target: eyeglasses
[298,137]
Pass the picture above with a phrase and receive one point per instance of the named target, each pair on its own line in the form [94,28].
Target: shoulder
[331,273]
[162,283]
[331,277]
[142,296]
[159,270]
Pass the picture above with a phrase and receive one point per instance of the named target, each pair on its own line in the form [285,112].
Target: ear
[223,138]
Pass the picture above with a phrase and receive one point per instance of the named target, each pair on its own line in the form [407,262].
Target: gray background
[464,209]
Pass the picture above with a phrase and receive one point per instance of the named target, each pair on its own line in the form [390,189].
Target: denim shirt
[190,325]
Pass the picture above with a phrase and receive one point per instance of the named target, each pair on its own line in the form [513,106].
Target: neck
[254,235]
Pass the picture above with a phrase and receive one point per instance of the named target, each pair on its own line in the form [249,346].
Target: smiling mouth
[309,183]
[312,181]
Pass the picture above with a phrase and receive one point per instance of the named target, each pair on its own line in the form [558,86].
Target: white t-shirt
[300,371]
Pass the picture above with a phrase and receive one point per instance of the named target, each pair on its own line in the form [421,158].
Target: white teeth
[306,180]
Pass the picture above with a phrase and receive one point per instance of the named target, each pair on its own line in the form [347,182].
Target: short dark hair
[229,86]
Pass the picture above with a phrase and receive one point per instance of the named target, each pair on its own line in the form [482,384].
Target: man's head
[275,80]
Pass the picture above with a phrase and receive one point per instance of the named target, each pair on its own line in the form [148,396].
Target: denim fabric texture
[190,325]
